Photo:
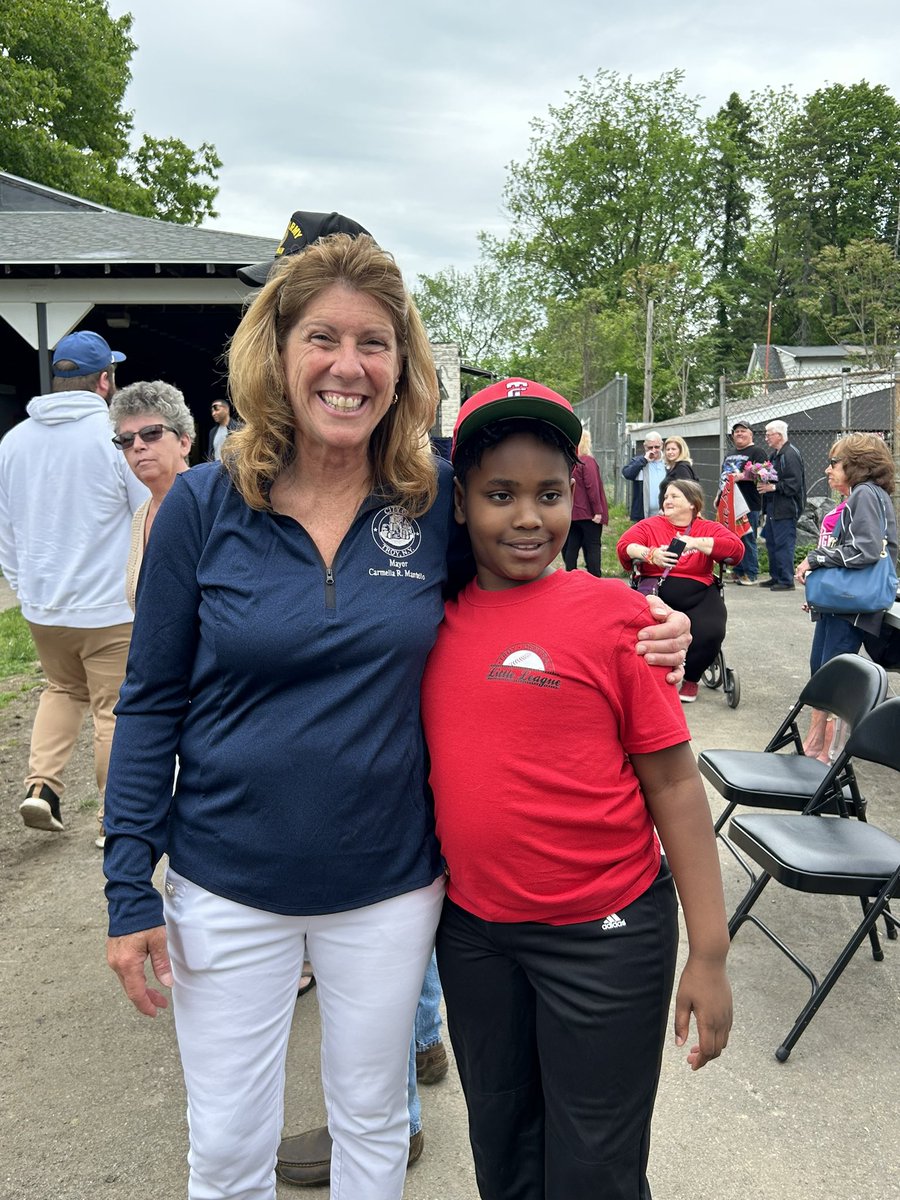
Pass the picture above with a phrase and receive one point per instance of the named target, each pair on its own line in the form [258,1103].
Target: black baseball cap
[303,229]
[742,425]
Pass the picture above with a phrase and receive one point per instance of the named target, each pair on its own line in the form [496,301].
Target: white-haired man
[783,503]
[646,472]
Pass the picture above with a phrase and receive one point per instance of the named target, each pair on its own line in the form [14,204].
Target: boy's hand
[704,990]
[665,644]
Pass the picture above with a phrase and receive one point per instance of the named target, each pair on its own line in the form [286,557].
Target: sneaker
[767,583]
[784,587]
[743,581]
[40,808]
[431,1064]
[100,841]
[688,693]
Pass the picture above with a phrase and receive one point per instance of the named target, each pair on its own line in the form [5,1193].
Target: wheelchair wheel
[713,675]
[732,688]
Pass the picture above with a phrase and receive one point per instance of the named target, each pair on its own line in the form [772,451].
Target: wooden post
[647,413]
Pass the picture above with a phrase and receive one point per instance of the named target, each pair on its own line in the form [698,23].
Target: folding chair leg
[874,940]
[812,1005]
[742,912]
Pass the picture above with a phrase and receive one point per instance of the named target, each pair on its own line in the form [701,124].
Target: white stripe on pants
[236,970]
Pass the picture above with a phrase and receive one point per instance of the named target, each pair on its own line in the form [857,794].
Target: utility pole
[647,413]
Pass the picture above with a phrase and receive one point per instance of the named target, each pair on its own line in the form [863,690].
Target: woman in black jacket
[678,463]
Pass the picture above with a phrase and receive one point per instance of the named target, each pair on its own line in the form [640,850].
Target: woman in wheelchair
[674,554]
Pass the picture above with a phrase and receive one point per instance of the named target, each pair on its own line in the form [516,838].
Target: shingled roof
[84,237]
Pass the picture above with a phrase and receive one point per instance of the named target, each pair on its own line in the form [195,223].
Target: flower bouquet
[762,472]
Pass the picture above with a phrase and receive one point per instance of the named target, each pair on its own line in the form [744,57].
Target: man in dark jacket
[745,451]
[225,423]
[783,502]
[646,472]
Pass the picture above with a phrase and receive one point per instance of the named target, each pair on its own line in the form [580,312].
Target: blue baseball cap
[88,351]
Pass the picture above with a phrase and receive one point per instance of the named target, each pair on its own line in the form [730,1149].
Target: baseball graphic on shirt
[524,658]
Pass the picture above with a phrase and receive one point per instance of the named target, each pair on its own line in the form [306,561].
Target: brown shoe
[431,1064]
[305,1159]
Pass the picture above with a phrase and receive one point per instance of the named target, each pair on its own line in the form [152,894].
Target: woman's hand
[659,556]
[802,570]
[665,643]
[127,955]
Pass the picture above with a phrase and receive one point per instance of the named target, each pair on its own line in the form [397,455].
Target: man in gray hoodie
[66,502]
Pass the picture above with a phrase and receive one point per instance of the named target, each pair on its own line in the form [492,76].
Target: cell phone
[676,547]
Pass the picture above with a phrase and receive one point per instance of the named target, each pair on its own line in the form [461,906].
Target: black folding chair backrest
[876,739]
[848,686]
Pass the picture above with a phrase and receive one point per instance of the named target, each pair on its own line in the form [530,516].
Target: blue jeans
[427,1033]
[832,636]
[748,567]
[781,538]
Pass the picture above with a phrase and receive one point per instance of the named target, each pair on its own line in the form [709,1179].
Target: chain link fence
[819,402]
[604,415]
[818,409]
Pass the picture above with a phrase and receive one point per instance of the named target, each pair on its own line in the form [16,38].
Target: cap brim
[534,408]
[256,274]
[118,356]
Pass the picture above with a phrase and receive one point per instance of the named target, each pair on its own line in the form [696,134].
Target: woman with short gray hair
[155,430]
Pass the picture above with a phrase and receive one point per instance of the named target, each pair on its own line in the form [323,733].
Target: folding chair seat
[827,855]
[848,686]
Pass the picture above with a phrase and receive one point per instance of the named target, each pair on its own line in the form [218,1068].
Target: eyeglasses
[149,434]
[833,462]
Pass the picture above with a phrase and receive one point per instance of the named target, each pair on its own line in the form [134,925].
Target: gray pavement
[93,1106]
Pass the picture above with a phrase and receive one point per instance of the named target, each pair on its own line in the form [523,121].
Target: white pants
[236,971]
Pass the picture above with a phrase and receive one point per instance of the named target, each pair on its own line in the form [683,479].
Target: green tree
[735,155]
[834,177]
[487,312]
[855,293]
[64,69]
[612,180]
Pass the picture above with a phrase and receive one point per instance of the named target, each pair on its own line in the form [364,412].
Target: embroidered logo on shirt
[395,533]
[613,921]
[398,536]
[525,663]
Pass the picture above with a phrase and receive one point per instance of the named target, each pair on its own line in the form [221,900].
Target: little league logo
[395,533]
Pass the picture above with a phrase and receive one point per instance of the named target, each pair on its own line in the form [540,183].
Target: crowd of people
[299,615]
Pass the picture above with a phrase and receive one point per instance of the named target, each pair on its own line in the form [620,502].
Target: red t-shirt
[532,700]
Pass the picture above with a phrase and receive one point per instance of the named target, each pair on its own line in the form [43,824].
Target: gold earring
[395,399]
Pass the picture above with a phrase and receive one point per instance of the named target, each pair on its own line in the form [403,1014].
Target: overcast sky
[405,116]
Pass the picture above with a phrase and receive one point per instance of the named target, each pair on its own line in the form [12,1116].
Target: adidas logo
[613,921]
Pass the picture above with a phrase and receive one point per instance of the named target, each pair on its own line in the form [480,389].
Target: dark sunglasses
[150,433]
[833,462]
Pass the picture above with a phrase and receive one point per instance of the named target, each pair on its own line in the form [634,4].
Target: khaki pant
[84,667]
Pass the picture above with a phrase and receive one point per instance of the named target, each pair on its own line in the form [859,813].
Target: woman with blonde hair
[679,464]
[589,511]
[289,598]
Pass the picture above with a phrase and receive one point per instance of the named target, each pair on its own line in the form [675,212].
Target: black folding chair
[848,686]
[828,855]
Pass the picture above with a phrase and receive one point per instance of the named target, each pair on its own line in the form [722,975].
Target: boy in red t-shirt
[555,750]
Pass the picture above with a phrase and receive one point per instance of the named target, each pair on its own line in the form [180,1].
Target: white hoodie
[66,501]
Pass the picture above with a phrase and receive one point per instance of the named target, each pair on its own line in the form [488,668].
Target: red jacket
[589,498]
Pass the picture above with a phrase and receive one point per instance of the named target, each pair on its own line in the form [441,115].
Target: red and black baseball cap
[303,229]
[513,399]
